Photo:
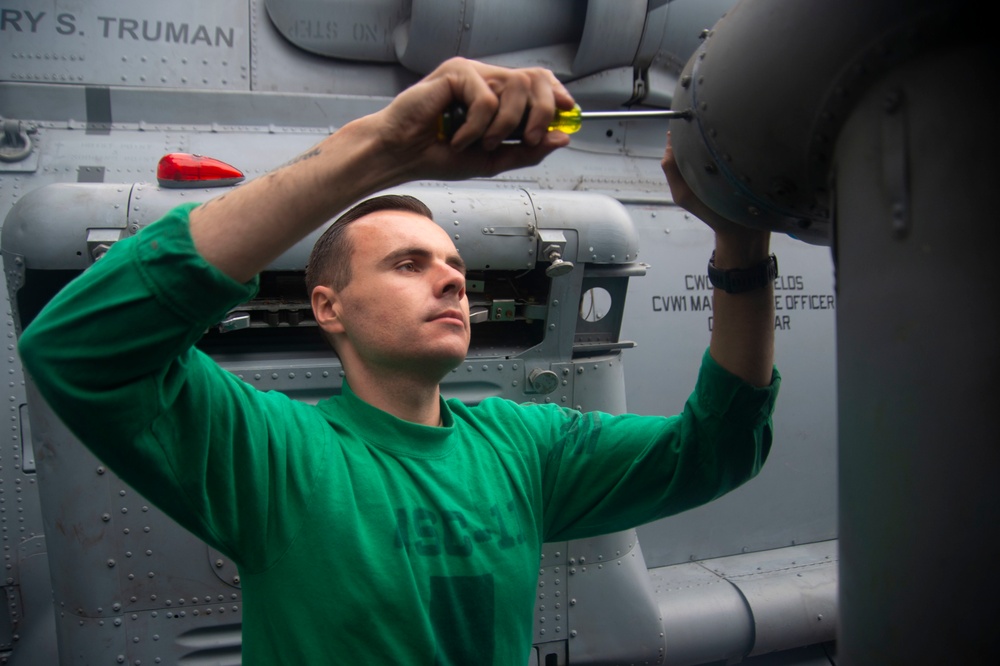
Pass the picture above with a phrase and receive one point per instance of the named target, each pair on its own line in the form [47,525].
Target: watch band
[740,280]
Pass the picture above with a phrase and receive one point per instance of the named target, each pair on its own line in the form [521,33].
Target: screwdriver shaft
[632,115]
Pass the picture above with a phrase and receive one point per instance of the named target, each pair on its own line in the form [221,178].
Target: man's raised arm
[242,231]
[743,324]
[76,351]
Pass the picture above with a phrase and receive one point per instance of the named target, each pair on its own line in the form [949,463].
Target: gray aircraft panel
[724,608]
[280,66]
[103,42]
[268,103]
[668,315]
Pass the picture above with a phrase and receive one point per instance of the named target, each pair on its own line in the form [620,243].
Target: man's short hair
[330,260]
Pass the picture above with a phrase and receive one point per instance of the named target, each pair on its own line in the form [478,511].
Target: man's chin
[435,366]
[448,363]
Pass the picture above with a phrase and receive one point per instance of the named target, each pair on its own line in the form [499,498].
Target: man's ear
[326,309]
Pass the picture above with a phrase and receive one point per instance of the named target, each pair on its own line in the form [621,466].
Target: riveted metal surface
[492,230]
[791,593]
[552,604]
[604,370]
[614,591]
[491,375]
[153,552]
[555,552]
[36,630]
[705,618]
[604,548]
[605,231]
[84,578]
[20,511]
[225,569]
[114,553]
[311,378]
[553,560]
[778,177]
[195,634]
[98,640]
[731,607]
[183,45]
[35,227]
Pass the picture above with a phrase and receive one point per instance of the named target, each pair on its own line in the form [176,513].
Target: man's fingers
[507,157]
[678,187]
[513,92]
[499,99]
[496,101]
[543,106]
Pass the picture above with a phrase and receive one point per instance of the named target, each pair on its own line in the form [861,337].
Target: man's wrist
[742,261]
[743,249]
[742,280]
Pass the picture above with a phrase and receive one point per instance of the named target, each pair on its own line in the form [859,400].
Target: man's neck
[416,400]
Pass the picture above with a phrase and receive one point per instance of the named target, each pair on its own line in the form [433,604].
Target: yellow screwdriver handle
[567,121]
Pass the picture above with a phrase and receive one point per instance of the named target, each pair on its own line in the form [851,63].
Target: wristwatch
[740,280]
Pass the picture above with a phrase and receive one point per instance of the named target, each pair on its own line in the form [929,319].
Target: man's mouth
[457,315]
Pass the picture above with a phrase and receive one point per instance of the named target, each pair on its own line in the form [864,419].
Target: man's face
[405,308]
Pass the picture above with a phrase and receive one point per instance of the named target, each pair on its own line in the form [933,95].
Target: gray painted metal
[910,180]
[110,43]
[606,192]
[598,585]
[918,389]
[777,176]
[719,609]
[706,618]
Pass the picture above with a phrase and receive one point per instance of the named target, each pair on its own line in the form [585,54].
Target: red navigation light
[187,170]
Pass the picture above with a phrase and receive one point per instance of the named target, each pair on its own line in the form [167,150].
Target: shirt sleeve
[113,356]
[602,473]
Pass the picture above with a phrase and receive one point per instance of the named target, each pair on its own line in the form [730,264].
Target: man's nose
[451,280]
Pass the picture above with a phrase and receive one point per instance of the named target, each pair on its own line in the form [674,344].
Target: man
[385,526]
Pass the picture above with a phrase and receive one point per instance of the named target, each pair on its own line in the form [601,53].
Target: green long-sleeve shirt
[361,538]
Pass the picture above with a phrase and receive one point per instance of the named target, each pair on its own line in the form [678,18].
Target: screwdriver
[568,121]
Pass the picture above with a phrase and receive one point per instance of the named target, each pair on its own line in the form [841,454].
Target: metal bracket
[527,230]
[499,309]
[551,246]
[895,161]
[234,321]
[99,241]
[502,309]
[640,85]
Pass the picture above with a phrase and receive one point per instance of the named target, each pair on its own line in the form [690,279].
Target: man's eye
[409,266]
